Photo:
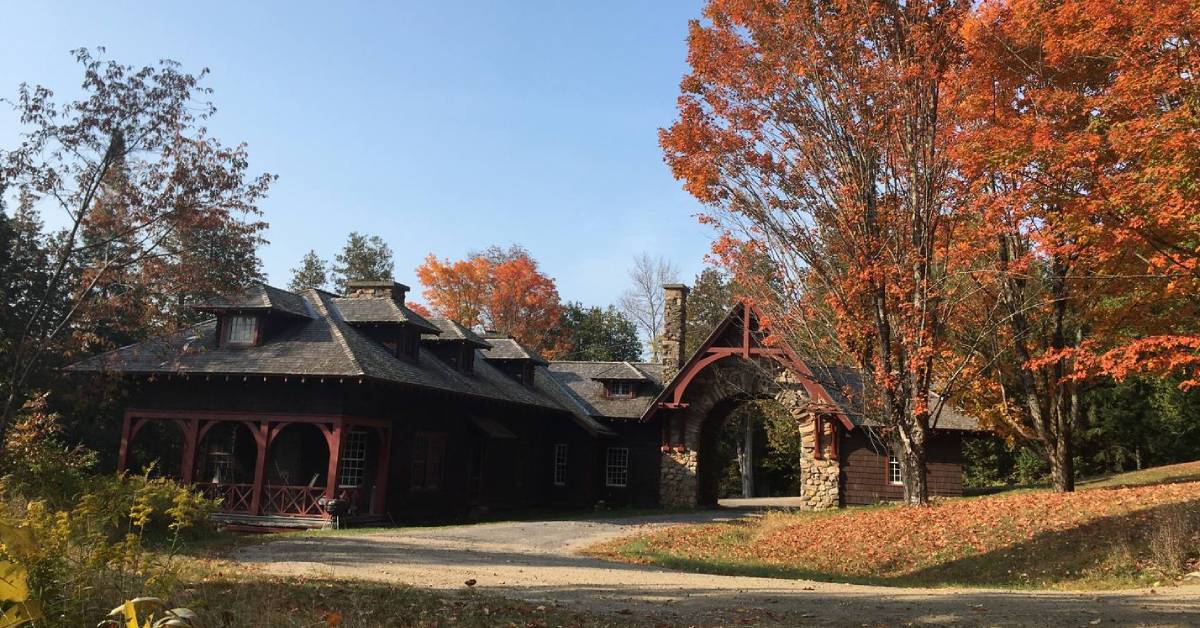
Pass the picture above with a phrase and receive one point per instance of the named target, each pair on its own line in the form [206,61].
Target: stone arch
[735,363]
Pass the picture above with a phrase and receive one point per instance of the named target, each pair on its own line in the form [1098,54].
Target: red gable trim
[672,394]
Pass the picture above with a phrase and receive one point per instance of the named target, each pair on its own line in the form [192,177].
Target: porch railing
[303,501]
[234,497]
[298,501]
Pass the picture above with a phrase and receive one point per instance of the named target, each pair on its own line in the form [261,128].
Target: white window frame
[560,464]
[895,473]
[616,467]
[249,325]
[353,455]
[627,387]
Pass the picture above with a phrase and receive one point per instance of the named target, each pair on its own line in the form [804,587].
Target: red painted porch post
[191,431]
[334,439]
[123,456]
[382,473]
[260,467]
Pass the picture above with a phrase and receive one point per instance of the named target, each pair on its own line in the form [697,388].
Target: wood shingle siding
[864,469]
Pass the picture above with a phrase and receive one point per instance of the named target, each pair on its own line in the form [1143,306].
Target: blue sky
[441,127]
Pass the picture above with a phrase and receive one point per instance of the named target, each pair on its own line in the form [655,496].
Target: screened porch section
[302,466]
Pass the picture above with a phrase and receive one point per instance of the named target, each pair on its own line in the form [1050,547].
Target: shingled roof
[506,348]
[381,310]
[258,296]
[323,344]
[452,331]
[580,378]
[845,385]
[621,371]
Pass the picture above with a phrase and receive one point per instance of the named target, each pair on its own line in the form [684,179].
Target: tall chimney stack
[674,335]
[377,290]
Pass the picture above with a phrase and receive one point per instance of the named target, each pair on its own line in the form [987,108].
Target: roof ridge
[335,328]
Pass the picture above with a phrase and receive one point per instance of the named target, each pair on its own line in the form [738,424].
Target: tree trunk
[916,481]
[1062,464]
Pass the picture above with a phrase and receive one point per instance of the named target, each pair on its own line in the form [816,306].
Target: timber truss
[744,317]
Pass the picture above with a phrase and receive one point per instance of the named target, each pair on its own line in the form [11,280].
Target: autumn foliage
[817,133]
[996,202]
[498,289]
[1091,538]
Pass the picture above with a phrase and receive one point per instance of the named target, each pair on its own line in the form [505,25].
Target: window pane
[616,468]
[420,450]
[560,464]
[240,329]
[354,459]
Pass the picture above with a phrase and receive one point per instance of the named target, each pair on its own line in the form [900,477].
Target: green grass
[1101,537]
[1168,474]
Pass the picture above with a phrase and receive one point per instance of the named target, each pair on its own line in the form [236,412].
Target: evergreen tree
[708,303]
[364,258]
[597,334]
[311,274]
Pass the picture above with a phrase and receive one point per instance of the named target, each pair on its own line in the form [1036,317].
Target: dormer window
[619,389]
[240,330]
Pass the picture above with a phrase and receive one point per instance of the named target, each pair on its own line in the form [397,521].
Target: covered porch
[294,470]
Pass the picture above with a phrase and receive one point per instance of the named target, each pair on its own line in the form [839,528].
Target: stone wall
[678,483]
[819,476]
[674,334]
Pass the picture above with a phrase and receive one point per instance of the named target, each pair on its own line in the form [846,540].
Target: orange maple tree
[497,289]
[1078,143]
[816,131]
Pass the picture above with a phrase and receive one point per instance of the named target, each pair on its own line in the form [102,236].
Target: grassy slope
[1099,537]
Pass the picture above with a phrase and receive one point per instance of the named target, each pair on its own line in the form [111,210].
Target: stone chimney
[376,290]
[674,334]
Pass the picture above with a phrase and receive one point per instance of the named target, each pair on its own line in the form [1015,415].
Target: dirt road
[539,561]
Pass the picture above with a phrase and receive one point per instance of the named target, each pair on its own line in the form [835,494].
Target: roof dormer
[621,380]
[456,345]
[377,309]
[507,355]
[247,318]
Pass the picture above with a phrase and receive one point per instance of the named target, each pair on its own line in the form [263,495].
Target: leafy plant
[14,581]
[127,615]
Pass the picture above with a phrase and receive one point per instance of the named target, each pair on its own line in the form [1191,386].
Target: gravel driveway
[538,561]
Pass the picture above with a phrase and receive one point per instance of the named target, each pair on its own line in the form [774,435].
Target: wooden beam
[191,433]
[260,466]
[746,329]
[334,439]
[383,462]
[126,436]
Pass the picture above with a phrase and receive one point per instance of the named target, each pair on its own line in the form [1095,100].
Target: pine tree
[708,303]
[313,273]
[600,334]
[364,258]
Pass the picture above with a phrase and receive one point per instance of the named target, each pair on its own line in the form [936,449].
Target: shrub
[99,539]
[1172,537]
[118,541]
[37,464]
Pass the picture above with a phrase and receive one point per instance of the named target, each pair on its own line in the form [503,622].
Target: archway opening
[298,456]
[749,447]
[158,448]
[227,454]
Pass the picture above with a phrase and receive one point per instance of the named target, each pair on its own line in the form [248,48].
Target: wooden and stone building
[290,407]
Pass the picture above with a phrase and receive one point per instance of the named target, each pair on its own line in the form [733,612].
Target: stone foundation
[678,484]
[819,484]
